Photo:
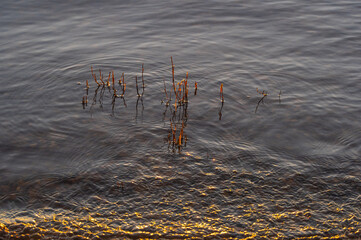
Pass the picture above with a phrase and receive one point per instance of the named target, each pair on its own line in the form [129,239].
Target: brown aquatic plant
[121,79]
[174,88]
[265,94]
[113,79]
[181,135]
[136,85]
[143,77]
[221,93]
[220,112]
[123,85]
[108,81]
[94,76]
[186,88]
[85,101]
[101,77]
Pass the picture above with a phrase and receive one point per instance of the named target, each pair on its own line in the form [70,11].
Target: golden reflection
[122,226]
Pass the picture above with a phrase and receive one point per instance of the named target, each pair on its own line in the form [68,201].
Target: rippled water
[285,167]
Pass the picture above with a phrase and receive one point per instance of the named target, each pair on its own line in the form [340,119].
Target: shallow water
[286,168]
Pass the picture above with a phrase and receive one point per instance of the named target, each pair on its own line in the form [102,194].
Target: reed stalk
[174,88]
[136,85]
[143,77]
[113,78]
[101,77]
[108,81]
[221,93]
[121,79]
[94,76]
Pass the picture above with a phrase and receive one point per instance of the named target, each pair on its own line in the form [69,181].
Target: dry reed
[221,93]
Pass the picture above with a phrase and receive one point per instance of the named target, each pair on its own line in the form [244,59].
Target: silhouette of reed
[136,108]
[220,111]
[265,94]
[85,101]
[136,85]
[143,79]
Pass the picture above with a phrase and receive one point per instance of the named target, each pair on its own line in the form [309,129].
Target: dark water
[288,169]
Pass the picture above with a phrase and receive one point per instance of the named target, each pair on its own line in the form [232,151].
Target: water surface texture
[286,167]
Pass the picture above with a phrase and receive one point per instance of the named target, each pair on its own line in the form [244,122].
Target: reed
[136,85]
[186,88]
[180,138]
[143,77]
[108,81]
[113,78]
[174,133]
[221,93]
[265,94]
[178,111]
[123,85]
[85,100]
[181,135]
[220,111]
[121,79]
[195,88]
[101,77]
[179,85]
[174,88]
[94,76]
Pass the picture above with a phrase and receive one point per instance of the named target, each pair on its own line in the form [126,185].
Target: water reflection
[220,111]
[177,138]
[140,97]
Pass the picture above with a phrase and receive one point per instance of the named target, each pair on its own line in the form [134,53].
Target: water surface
[287,169]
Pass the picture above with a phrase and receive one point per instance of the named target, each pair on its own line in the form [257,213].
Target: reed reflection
[220,111]
[136,108]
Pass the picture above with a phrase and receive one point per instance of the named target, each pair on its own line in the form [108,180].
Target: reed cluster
[178,114]
[176,100]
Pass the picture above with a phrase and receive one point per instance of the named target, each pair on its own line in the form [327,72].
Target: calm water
[288,169]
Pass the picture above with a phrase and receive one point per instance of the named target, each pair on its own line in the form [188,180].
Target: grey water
[287,166]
